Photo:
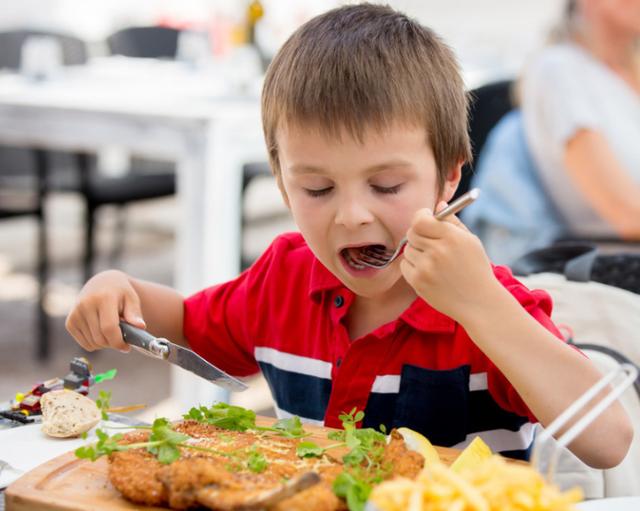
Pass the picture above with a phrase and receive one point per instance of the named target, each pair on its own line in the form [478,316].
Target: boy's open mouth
[353,255]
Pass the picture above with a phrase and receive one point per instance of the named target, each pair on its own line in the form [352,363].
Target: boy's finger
[110,326]
[131,311]
[97,338]
[83,328]
[424,224]
[79,337]
[452,219]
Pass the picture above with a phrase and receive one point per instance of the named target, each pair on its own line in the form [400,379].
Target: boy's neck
[367,314]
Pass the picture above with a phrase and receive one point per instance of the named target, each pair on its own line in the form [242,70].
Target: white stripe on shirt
[283,414]
[294,363]
[390,383]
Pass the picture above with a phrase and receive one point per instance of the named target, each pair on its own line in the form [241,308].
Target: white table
[210,136]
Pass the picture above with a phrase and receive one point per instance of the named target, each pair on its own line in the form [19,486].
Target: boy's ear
[451,181]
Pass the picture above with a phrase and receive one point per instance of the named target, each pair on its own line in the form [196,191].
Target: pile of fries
[493,484]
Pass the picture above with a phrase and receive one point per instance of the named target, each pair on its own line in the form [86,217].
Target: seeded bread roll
[66,413]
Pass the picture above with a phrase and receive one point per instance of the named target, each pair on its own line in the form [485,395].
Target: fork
[377,256]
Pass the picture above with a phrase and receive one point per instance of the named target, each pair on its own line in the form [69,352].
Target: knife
[163,349]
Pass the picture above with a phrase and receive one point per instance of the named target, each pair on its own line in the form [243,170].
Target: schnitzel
[233,470]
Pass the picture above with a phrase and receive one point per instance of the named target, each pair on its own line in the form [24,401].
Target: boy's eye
[319,192]
[386,189]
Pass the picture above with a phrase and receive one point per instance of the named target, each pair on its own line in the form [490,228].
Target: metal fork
[377,256]
[630,373]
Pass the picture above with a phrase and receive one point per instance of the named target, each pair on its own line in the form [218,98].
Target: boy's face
[344,194]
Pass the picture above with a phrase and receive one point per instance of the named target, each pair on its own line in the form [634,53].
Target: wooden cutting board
[67,483]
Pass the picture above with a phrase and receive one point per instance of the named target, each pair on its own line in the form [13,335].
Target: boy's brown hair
[364,66]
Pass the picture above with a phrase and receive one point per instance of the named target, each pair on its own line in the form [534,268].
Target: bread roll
[66,413]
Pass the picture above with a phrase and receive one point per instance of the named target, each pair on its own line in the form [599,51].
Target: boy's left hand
[446,264]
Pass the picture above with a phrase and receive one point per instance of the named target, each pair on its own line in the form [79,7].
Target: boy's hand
[447,265]
[94,320]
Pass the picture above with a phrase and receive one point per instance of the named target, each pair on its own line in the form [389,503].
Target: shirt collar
[419,315]
[321,280]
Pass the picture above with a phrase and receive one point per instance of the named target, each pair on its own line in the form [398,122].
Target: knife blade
[164,349]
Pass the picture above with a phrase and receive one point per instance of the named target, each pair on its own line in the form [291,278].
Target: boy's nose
[352,214]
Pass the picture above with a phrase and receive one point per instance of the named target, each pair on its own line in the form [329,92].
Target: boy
[364,115]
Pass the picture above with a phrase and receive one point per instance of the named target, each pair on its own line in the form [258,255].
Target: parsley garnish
[236,418]
[163,443]
[363,462]
[224,416]
[103,403]
[256,462]
[354,490]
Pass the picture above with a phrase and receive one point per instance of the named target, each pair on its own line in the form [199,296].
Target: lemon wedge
[419,443]
[476,452]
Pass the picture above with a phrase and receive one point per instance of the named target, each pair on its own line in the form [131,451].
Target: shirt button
[338,301]
[339,362]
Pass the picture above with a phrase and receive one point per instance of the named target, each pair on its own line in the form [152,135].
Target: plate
[26,447]
[612,504]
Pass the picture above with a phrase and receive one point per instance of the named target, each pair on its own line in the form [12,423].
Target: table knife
[164,349]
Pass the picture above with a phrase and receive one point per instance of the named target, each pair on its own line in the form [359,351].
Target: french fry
[492,485]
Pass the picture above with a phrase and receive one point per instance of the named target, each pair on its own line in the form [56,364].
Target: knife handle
[139,338]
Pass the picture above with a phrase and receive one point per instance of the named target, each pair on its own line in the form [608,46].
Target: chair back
[16,163]
[487,105]
[620,481]
[73,49]
[145,42]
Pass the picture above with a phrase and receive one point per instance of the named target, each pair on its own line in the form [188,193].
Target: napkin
[26,447]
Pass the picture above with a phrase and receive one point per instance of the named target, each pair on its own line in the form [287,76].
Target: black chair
[145,42]
[77,172]
[73,50]
[488,104]
[24,172]
[28,199]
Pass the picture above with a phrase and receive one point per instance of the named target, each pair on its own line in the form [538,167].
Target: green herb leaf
[166,453]
[257,462]
[103,403]
[224,416]
[309,450]
[354,490]
[290,428]
[336,435]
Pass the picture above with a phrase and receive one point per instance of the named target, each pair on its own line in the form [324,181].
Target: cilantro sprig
[236,418]
[104,403]
[363,462]
[365,445]
[224,416]
[164,443]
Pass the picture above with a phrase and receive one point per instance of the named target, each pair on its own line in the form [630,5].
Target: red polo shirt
[283,316]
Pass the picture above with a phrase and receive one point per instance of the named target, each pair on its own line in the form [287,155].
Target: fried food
[226,480]
[491,484]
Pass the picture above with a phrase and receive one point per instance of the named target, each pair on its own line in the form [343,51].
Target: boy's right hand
[103,301]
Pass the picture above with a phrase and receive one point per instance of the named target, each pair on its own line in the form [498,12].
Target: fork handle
[461,202]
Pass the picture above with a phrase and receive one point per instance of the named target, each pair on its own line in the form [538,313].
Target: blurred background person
[567,164]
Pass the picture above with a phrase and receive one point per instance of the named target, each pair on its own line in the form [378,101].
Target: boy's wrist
[495,301]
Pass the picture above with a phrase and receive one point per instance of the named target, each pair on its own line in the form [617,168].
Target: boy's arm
[448,267]
[111,296]
[162,309]
[547,374]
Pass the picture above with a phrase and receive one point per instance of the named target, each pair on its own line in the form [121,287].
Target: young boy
[364,115]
